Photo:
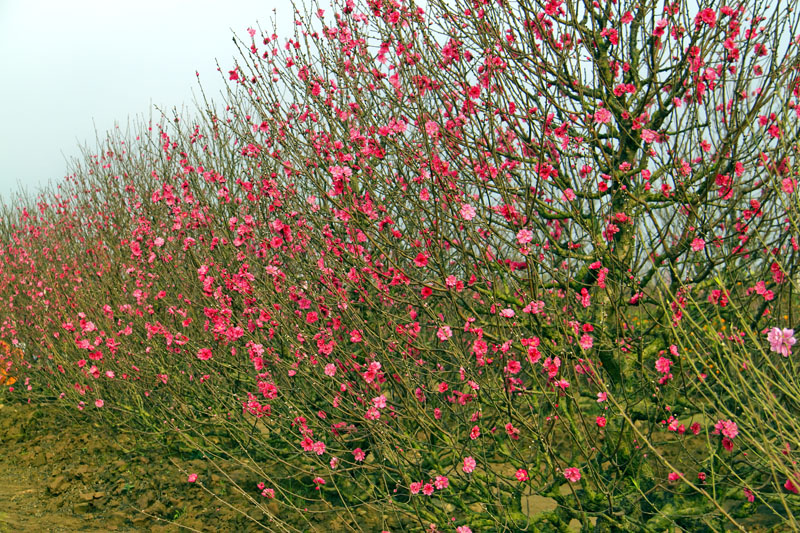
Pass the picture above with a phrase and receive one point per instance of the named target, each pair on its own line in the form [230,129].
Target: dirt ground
[58,475]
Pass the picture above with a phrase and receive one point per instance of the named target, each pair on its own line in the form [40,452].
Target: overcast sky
[70,67]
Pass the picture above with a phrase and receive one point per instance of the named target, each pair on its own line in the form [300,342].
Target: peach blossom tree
[433,263]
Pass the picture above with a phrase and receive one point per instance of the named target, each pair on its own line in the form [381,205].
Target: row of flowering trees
[430,262]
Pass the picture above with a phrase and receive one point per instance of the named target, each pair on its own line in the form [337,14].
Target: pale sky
[68,68]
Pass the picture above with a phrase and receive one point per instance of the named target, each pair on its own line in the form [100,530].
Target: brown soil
[61,475]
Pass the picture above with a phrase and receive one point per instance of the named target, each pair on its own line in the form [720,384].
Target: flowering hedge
[428,265]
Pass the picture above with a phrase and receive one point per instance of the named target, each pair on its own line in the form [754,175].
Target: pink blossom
[358,454]
[611,34]
[611,230]
[513,367]
[583,298]
[444,333]
[431,128]
[524,236]
[521,474]
[649,136]
[718,297]
[660,27]
[586,341]
[572,474]
[551,366]
[601,397]
[781,341]
[707,16]
[469,465]
[379,401]
[727,428]
[533,355]
[330,370]
[192,478]
[204,354]
[441,482]
[372,371]
[415,487]
[99,403]
[534,307]
[602,116]
[698,244]
[663,365]
[463,529]
[512,431]
[467,212]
